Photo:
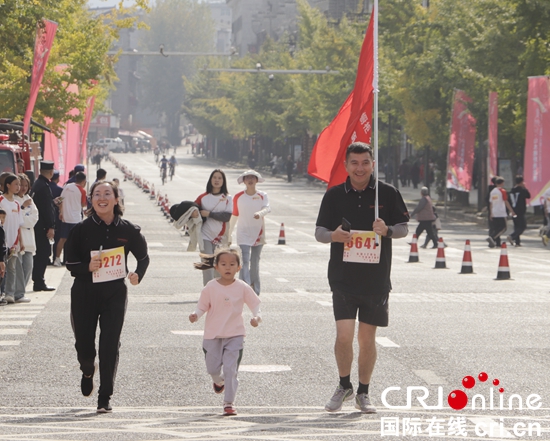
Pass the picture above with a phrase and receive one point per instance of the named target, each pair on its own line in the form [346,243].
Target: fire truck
[15,146]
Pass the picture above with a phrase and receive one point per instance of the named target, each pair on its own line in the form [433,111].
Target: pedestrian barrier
[467,266]
[413,255]
[440,259]
[282,240]
[503,267]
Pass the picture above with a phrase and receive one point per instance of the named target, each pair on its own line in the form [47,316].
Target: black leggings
[430,231]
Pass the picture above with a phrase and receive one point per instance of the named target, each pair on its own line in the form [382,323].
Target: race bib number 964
[362,247]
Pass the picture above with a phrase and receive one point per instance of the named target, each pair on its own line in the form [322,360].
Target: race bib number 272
[113,265]
[362,247]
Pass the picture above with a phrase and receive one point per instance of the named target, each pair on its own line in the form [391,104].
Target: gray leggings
[226,352]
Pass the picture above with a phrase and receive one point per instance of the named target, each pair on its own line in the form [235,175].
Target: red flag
[352,123]
[461,145]
[45,33]
[86,126]
[493,137]
[537,139]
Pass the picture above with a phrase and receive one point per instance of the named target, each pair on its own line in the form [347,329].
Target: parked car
[115,145]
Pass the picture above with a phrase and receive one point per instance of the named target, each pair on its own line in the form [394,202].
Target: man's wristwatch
[389,234]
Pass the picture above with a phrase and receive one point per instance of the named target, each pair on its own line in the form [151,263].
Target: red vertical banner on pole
[85,127]
[492,153]
[536,170]
[461,144]
[352,123]
[45,34]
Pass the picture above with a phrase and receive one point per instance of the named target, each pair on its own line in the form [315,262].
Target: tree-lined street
[443,326]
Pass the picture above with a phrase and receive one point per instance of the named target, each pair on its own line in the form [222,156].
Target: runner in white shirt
[74,201]
[216,208]
[250,207]
[498,204]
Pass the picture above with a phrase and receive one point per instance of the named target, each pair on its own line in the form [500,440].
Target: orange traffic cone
[153,195]
[467,267]
[282,240]
[440,259]
[503,267]
[413,255]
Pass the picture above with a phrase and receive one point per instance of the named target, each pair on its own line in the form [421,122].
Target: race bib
[112,265]
[362,247]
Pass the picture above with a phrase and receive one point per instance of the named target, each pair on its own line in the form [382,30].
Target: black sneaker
[103,405]
[87,383]
[219,388]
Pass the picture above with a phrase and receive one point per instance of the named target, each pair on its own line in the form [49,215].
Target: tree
[80,46]
[180,25]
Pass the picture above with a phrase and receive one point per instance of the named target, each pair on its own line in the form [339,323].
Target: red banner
[461,145]
[86,127]
[352,123]
[537,139]
[492,153]
[45,34]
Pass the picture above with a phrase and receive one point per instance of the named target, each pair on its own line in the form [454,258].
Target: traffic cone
[440,259]
[153,195]
[413,255]
[282,240]
[467,267]
[503,267]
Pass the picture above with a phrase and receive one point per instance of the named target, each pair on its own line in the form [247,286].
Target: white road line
[324,303]
[9,342]
[155,244]
[429,377]
[19,316]
[263,368]
[200,333]
[386,342]
[280,279]
[491,427]
[15,323]
[13,331]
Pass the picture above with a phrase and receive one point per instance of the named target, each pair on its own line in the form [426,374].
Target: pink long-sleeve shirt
[224,308]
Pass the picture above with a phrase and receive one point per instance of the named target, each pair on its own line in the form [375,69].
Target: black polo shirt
[92,233]
[358,208]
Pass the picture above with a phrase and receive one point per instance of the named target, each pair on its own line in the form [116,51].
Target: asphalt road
[444,326]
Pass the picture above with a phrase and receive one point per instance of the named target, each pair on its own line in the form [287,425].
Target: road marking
[429,377]
[263,368]
[155,244]
[491,427]
[10,315]
[386,342]
[16,323]
[13,331]
[324,303]
[188,332]
[280,279]
[9,342]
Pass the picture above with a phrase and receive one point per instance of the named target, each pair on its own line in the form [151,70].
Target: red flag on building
[460,161]
[492,154]
[45,33]
[536,170]
[352,123]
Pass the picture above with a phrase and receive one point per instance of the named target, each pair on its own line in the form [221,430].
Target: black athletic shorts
[373,310]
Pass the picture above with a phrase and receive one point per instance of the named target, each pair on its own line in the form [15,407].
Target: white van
[115,145]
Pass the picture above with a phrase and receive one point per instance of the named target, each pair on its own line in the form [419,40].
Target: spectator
[518,200]
[30,217]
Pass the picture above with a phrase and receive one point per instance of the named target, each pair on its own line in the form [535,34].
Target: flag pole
[375,112]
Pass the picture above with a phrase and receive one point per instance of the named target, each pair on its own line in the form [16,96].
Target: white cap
[240,179]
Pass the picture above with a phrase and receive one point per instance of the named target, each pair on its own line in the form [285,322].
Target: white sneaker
[9,299]
[57,262]
[337,400]
[23,300]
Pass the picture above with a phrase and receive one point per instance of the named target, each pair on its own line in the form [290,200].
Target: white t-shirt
[14,219]
[74,197]
[498,197]
[250,231]
[214,230]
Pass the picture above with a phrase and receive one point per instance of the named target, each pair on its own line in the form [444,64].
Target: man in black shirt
[359,272]
[44,230]
[518,200]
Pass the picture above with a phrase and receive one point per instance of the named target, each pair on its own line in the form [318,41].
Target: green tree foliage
[181,26]
[79,52]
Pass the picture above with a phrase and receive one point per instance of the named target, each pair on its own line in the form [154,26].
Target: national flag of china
[352,123]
